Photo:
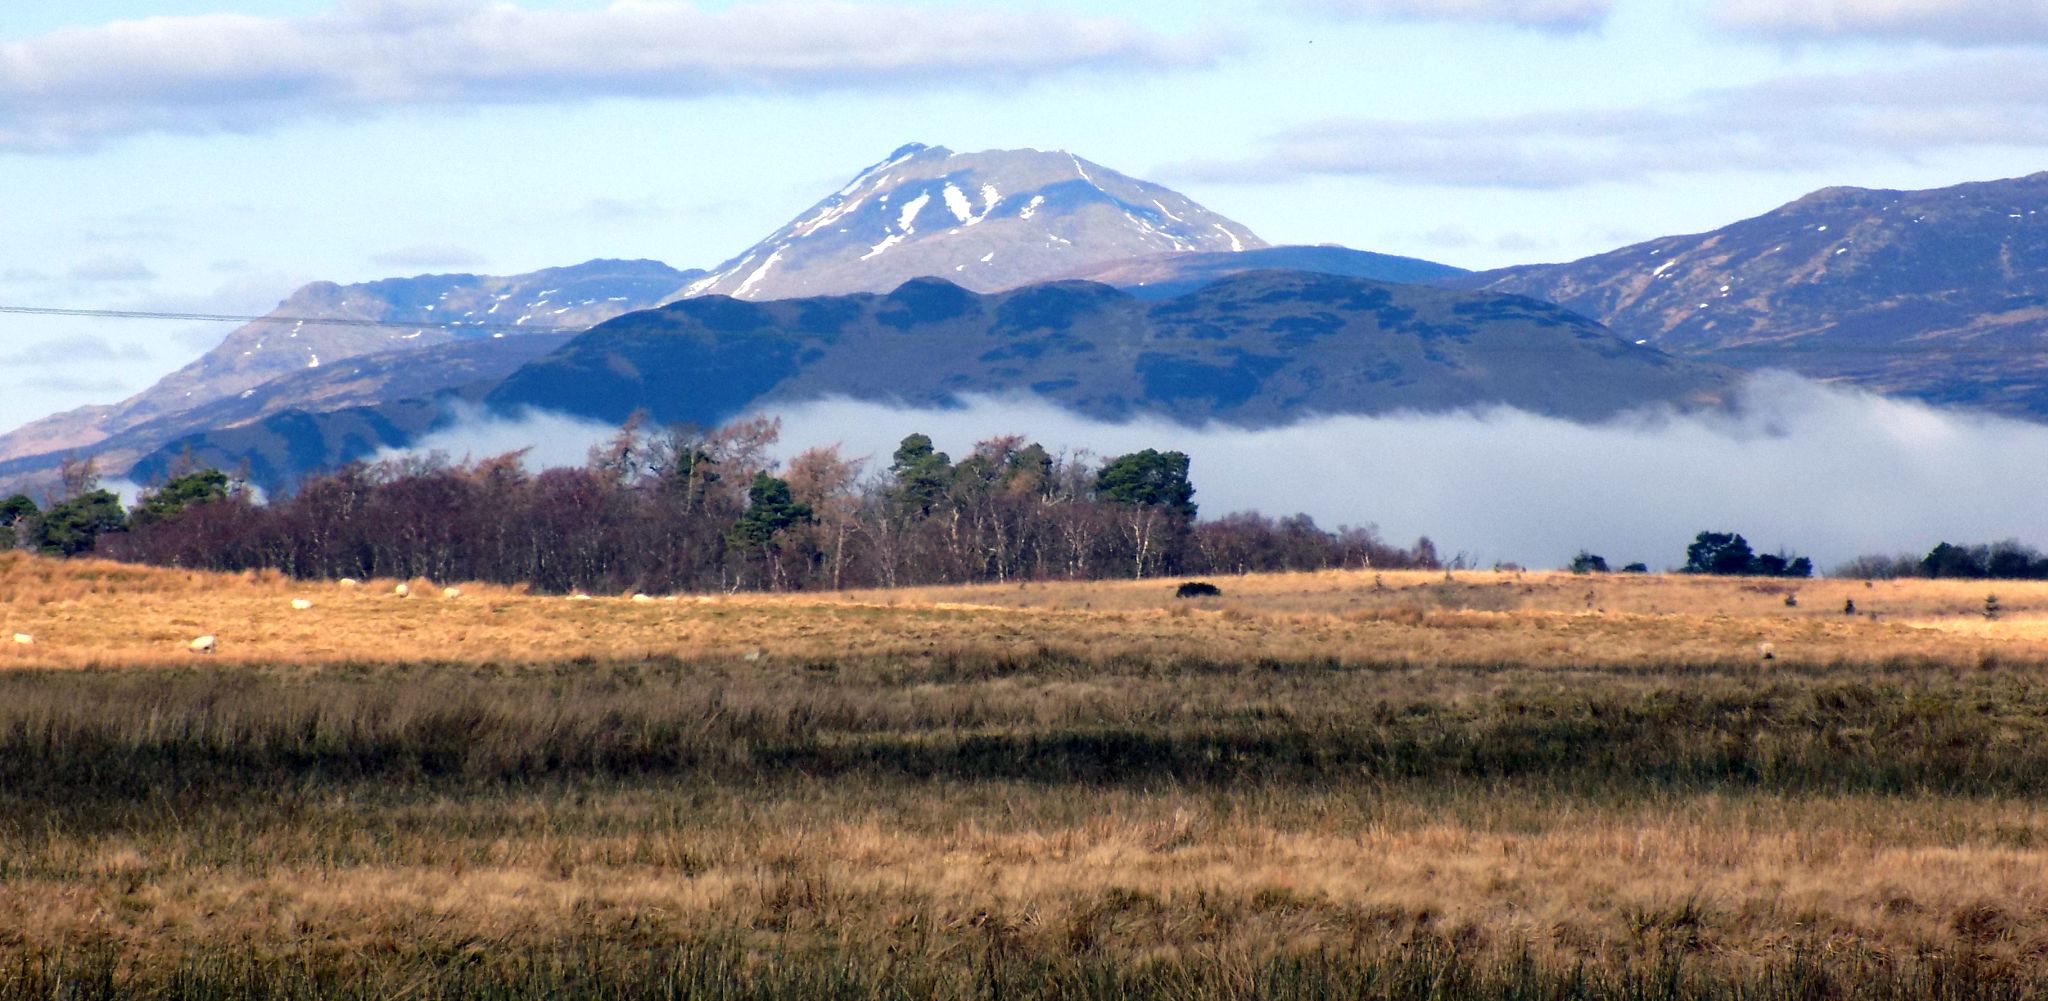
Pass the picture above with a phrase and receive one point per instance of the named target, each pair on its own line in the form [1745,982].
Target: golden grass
[1740,879]
[97,614]
[920,866]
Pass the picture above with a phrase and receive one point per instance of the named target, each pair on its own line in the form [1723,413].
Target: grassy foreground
[1334,785]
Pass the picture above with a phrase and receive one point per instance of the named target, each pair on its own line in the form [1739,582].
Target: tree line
[1718,553]
[2008,560]
[678,509]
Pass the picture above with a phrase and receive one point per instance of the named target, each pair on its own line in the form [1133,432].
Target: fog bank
[1823,471]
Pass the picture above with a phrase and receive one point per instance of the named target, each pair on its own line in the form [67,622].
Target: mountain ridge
[1938,294]
[1254,350]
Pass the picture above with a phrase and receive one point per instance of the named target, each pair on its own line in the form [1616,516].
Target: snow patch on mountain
[910,211]
[759,273]
[887,242]
[956,200]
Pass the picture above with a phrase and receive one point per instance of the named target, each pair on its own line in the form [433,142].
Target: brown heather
[1317,785]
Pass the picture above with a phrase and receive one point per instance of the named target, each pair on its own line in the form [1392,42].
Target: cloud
[111,269]
[1948,22]
[429,256]
[1449,236]
[151,224]
[617,209]
[81,385]
[1823,471]
[72,350]
[549,439]
[1549,15]
[1454,237]
[1523,243]
[236,72]
[1979,101]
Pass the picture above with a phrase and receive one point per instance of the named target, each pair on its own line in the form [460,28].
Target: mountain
[1941,294]
[988,221]
[985,221]
[1163,276]
[1255,349]
[363,381]
[478,316]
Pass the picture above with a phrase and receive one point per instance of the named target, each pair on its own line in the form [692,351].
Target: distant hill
[1164,276]
[1940,295]
[985,221]
[362,381]
[486,319]
[1257,349]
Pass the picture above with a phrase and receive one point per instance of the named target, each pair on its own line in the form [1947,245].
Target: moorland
[1337,784]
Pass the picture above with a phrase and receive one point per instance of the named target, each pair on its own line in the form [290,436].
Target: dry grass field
[105,615]
[1320,785]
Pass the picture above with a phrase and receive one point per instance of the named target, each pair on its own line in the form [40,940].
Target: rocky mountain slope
[1941,294]
[363,381]
[1255,349]
[985,221]
[475,310]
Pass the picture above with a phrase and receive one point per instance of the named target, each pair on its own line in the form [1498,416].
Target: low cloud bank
[1826,472]
[548,439]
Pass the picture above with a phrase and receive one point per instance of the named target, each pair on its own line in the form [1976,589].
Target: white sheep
[402,591]
[301,604]
[348,582]
[24,639]
[203,644]
[579,596]
[451,593]
[642,599]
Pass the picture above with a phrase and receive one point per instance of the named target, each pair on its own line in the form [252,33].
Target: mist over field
[1819,470]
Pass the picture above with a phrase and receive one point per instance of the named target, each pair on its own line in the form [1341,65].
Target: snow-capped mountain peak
[986,221]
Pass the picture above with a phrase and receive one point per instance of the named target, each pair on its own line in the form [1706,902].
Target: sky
[212,155]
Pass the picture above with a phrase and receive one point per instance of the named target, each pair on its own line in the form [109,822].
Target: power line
[330,321]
